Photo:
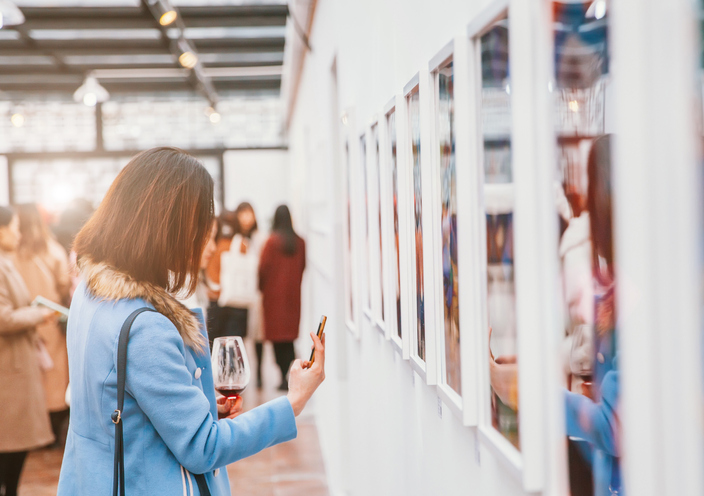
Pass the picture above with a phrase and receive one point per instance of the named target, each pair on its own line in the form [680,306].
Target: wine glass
[582,355]
[231,370]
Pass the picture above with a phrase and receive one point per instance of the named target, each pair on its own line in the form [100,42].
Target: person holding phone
[143,245]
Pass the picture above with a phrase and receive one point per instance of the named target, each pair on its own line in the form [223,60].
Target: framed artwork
[376,247]
[452,213]
[445,212]
[499,420]
[349,228]
[394,250]
[366,227]
[418,159]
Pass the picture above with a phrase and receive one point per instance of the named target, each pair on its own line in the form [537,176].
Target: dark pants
[10,470]
[284,356]
[59,425]
[229,321]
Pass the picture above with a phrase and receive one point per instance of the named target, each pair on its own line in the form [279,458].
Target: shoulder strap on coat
[118,481]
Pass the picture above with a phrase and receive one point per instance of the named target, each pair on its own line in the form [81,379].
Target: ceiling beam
[187,12]
[129,22]
[113,44]
[67,86]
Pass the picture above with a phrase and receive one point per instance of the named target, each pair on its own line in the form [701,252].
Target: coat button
[217,472]
[600,357]
[198,373]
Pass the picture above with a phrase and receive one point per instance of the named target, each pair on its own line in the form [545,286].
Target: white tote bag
[238,275]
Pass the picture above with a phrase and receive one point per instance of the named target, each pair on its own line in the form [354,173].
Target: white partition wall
[260,177]
[390,421]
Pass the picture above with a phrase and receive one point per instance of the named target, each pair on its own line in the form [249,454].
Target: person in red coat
[281,267]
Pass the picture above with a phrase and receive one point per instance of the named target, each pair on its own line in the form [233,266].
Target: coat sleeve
[596,423]
[162,385]
[14,320]
[265,264]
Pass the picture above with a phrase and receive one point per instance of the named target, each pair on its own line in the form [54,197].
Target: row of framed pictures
[430,194]
[409,234]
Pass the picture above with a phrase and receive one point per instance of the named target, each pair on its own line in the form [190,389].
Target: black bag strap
[118,479]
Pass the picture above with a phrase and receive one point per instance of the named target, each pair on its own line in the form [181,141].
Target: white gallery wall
[383,430]
[259,177]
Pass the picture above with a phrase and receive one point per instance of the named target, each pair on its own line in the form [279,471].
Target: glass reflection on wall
[585,247]
[380,277]
[498,205]
[391,125]
[414,121]
[365,216]
[448,223]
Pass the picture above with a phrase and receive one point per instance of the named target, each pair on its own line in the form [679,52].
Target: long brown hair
[599,206]
[34,232]
[153,223]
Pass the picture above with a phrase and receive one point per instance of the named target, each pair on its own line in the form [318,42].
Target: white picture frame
[462,403]
[489,436]
[376,239]
[366,274]
[394,229]
[350,229]
[422,310]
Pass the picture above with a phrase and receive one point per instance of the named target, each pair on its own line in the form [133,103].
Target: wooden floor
[289,469]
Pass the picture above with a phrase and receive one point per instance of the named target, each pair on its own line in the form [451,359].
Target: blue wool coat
[171,429]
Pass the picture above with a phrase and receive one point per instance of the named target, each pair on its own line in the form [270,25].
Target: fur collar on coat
[110,284]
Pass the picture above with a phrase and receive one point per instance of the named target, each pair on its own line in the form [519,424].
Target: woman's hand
[305,378]
[503,375]
[229,407]
[48,315]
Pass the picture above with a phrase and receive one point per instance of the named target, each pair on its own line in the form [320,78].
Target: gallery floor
[289,469]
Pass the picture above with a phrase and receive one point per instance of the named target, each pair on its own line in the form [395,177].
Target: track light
[188,60]
[17,120]
[91,92]
[10,15]
[168,17]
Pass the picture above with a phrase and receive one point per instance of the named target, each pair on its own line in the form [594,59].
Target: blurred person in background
[43,264]
[281,267]
[70,222]
[236,261]
[24,421]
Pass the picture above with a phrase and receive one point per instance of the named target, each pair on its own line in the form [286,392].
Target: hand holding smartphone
[321,328]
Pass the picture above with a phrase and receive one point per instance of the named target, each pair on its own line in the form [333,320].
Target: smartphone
[40,300]
[321,328]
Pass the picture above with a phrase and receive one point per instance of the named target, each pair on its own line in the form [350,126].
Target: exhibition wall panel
[445,143]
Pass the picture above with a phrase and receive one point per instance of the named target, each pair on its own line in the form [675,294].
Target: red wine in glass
[230,391]
[231,371]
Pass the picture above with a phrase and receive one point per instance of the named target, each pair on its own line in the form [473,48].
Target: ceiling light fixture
[17,120]
[91,92]
[214,117]
[10,15]
[168,17]
[188,60]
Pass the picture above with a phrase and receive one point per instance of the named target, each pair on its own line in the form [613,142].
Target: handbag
[239,275]
[118,479]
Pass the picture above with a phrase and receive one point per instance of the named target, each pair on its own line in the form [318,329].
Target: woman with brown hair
[143,245]
[43,264]
[24,422]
